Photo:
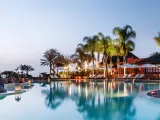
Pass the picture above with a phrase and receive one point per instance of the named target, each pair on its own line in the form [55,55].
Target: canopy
[128,66]
[147,65]
[154,59]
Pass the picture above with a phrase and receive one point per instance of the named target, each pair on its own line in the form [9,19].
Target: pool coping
[13,93]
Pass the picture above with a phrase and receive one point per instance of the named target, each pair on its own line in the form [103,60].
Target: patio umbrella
[147,65]
[60,68]
[92,67]
[135,66]
[127,66]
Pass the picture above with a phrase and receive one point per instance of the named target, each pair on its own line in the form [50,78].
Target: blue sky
[29,27]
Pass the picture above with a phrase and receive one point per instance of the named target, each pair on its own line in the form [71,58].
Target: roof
[130,55]
[154,59]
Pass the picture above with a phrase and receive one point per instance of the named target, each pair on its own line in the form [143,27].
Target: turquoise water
[93,101]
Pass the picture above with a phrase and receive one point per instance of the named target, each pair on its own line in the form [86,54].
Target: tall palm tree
[49,58]
[155,54]
[125,36]
[22,68]
[88,59]
[79,56]
[111,51]
[28,68]
[105,41]
[99,49]
[91,47]
[157,39]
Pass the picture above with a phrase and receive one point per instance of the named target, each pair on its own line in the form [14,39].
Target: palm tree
[88,59]
[125,36]
[155,54]
[111,51]
[157,39]
[79,56]
[91,47]
[28,68]
[49,58]
[99,49]
[105,41]
[22,68]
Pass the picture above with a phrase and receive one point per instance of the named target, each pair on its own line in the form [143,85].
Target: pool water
[81,101]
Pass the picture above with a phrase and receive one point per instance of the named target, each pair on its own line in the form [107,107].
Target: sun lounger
[97,76]
[125,76]
[101,76]
[136,76]
[141,76]
[90,76]
[129,76]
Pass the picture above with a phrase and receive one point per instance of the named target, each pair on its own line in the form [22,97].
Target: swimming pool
[81,101]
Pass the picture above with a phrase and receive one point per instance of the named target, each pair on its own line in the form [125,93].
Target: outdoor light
[85,65]
[79,68]
[29,81]
[18,88]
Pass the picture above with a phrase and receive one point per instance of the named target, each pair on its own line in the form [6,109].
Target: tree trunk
[111,63]
[57,70]
[118,65]
[27,72]
[50,68]
[106,67]
[93,67]
[98,57]
[82,64]
[124,59]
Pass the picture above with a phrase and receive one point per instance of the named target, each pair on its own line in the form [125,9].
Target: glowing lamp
[29,81]
[18,88]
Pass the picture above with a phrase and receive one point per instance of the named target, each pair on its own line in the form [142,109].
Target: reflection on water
[16,91]
[104,101]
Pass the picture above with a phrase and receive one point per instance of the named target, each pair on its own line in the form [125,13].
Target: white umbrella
[92,67]
[103,68]
[60,68]
[127,66]
[147,65]
[135,66]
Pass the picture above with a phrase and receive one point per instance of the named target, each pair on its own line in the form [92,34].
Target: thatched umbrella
[154,59]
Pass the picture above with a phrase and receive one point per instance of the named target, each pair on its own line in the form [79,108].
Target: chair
[125,76]
[141,76]
[98,76]
[94,76]
[90,76]
[129,76]
[136,76]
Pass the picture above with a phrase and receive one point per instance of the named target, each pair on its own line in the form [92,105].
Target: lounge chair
[90,76]
[129,76]
[101,76]
[51,76]
[125,76]
[94,76]
[55,76]
[136,76]
[141,76]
